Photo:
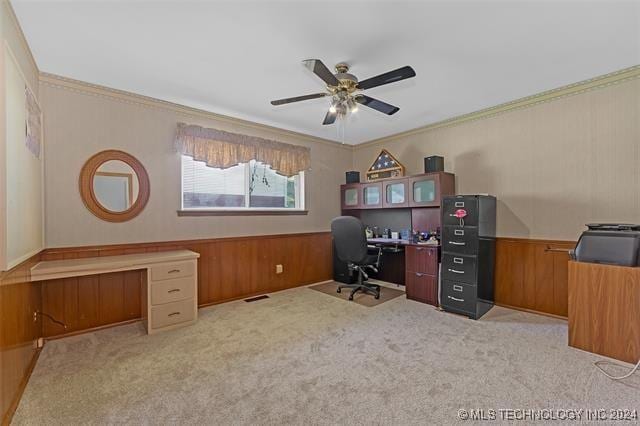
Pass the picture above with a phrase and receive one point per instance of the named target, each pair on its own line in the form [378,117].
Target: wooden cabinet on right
[421,274]
[604,310]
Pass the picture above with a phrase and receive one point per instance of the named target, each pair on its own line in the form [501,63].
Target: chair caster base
[339,290]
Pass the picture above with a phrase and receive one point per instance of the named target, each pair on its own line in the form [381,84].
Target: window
[252,185]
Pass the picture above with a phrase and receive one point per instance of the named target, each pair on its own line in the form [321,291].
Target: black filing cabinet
[468,254]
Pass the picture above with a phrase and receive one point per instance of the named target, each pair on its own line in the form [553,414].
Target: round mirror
[114,186]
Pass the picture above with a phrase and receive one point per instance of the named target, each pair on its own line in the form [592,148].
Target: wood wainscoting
[228,269]
[19,333]
[532,275]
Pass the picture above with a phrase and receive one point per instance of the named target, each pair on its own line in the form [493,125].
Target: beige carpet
[364,299]
[301,357]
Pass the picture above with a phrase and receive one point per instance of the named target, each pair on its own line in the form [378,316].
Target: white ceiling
[233,57]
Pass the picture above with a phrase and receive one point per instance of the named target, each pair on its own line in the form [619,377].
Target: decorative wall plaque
[385,166]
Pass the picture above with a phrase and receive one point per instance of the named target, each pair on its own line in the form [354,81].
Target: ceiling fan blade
[377,105]
[330,118]
[387,77]
[298,98]
[321,70]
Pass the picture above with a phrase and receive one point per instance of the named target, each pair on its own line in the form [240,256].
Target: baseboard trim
[531,311]
[23,385]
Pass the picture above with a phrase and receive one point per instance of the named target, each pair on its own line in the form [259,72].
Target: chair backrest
[349,238]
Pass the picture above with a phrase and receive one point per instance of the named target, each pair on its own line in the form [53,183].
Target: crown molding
[23,40]
[599,82]
[66,83]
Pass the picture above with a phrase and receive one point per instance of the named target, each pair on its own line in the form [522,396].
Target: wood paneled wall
[532,275]
[228,269]
[19,299]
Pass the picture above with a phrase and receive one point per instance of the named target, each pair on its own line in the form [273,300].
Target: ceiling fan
[342,87]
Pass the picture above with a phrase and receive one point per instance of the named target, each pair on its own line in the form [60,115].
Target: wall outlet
[279,269]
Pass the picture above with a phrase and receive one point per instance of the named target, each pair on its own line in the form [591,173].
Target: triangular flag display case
[385,166]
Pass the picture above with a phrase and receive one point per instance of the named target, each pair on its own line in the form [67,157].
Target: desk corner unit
[169,292]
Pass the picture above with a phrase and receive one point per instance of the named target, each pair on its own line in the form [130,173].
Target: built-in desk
[169,292]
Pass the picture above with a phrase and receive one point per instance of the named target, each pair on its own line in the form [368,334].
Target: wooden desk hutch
[418,198]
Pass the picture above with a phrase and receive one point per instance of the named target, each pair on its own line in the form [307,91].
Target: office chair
[351,247]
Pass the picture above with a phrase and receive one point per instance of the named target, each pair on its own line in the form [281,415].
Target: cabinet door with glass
[350,196]
[395,193]
[424,191]
[371,195]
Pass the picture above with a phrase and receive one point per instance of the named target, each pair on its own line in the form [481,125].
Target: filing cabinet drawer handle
[458,232]
[457,288]
[455,271]
[456,243]
[459,204]
[418,274]
[458,260]
[173,271]
[173,290]
[455,298]
[173,314]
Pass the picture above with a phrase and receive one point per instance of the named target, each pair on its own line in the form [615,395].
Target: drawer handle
[173,314]
[419,248]
[173,271]
[458,232]
[419,274]
[459,204]
[173,290]
[457,288]
[455,271]
[458,260]
[455,298]
[455,243]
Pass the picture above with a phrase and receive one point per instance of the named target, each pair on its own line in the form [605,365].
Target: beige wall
[553,167]
[81,121]
[20,172]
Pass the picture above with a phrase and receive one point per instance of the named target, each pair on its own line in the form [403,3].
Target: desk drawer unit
[171,290]
[421,274]
[171,295]
[173,270]
[422,259]
[468,244]
[422,287]
[172,313]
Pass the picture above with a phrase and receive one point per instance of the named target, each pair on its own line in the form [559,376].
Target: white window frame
[300,197]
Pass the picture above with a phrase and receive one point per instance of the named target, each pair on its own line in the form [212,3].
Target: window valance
[223,149]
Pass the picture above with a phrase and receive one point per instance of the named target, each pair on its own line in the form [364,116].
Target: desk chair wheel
[339,290]
[351,297]
[377,296]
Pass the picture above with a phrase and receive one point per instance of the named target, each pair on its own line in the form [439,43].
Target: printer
[609,243]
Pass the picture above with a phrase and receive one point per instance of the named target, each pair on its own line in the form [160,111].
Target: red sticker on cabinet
[460,213]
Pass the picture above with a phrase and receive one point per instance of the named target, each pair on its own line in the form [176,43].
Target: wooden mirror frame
[89,198]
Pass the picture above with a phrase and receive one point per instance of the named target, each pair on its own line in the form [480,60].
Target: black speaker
[433,164]
[353,177]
